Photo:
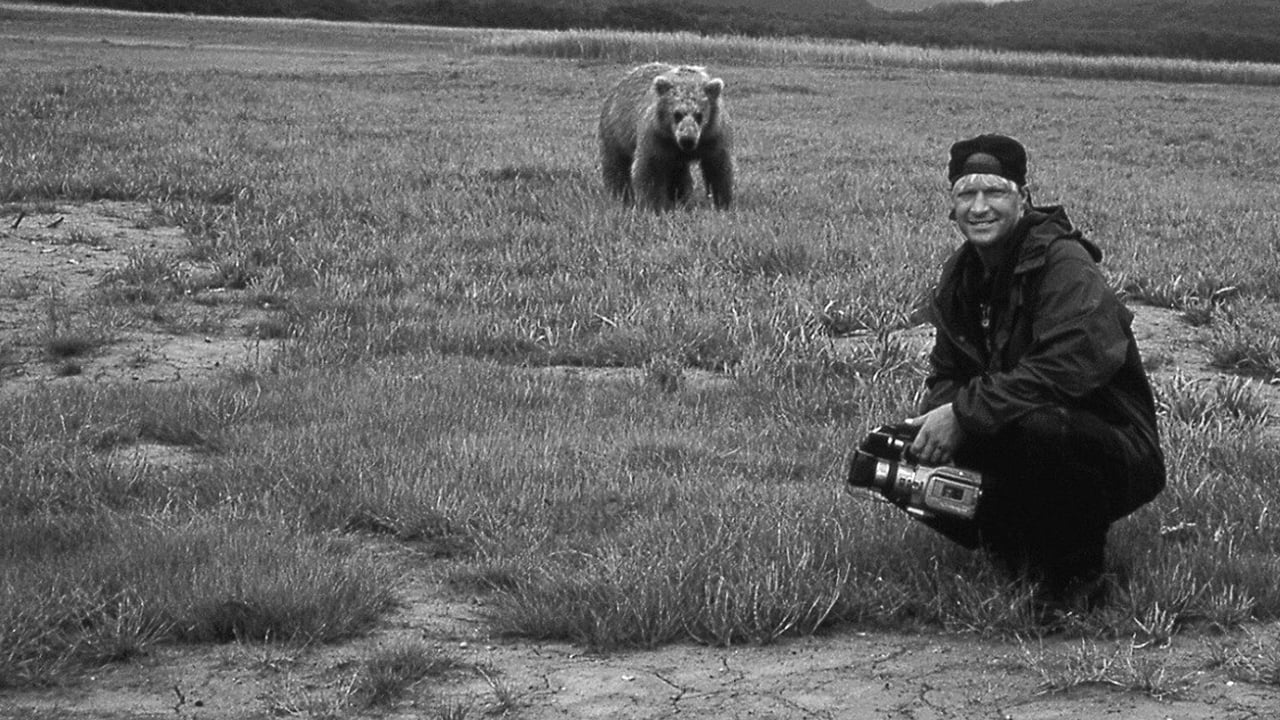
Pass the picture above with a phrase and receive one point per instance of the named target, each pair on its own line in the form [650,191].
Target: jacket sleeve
[943,381]
[1078,343]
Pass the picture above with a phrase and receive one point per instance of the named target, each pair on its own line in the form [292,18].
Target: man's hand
[940,434]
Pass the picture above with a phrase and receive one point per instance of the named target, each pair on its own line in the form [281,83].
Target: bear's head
[688,101]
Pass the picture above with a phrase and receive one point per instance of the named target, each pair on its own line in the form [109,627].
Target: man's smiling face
[987,208]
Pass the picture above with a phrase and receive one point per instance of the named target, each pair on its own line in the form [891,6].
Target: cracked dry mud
[840,674]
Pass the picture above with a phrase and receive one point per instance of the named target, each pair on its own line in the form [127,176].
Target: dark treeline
[1240,30]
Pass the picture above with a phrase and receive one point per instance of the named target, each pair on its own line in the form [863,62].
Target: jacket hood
[1042,226]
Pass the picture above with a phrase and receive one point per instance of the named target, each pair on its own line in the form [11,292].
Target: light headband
[983,181]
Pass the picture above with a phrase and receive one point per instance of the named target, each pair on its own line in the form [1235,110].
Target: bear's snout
[688,132]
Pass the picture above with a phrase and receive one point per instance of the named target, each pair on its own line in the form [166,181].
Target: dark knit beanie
[989,154]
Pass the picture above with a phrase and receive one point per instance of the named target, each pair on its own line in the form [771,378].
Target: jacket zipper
[988,338]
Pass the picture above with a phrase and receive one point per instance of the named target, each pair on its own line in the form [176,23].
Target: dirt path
[54,259]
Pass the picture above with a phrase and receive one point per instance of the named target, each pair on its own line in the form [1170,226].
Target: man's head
[988,176]
[988,154]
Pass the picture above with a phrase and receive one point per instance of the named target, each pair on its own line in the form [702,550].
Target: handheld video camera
[883,463]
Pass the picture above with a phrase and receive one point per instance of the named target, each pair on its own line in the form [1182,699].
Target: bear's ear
[713,88]
[661,85]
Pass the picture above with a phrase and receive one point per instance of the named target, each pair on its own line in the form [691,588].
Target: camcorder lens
[864,469]
[873,472]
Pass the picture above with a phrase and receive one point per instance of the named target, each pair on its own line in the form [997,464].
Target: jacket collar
[1040,228]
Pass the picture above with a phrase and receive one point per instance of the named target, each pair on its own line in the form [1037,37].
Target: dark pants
[1052,485]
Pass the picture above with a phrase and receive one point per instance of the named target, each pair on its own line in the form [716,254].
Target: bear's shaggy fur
[655,123]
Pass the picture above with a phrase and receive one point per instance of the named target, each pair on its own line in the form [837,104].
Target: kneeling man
[1035,381]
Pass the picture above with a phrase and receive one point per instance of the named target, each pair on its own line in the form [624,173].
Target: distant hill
[1238,30]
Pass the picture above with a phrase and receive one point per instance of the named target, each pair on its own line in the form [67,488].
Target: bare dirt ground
[54,259]
[54,331]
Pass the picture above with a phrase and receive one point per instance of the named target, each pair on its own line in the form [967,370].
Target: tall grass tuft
[1247,339]
[94,589]
[391,672]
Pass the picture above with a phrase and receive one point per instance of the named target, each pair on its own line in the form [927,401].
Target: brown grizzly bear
[655,123]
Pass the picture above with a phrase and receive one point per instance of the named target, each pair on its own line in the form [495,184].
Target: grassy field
[426,205]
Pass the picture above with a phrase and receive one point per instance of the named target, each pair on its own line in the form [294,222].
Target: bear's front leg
[651,183]
[717,173]
[681,183]
[616,168]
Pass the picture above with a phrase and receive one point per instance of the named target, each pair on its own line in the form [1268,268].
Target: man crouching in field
[1036,382]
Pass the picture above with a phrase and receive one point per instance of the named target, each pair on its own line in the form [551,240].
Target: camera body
[882,462]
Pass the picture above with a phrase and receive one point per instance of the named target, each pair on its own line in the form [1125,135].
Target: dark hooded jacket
[1046,330]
